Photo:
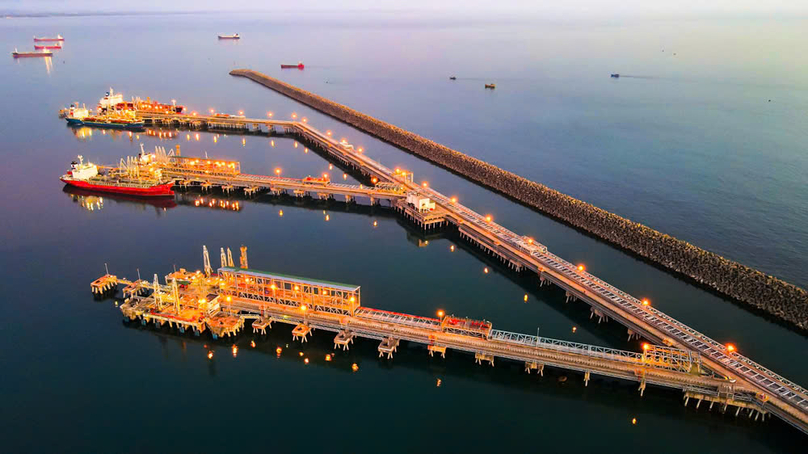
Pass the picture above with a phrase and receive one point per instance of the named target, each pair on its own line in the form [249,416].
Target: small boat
[615,75]
[42,53]
[117,180]
[47,46]
[299,65]
[57,38]
[452,78]
[233,36]
[491,86]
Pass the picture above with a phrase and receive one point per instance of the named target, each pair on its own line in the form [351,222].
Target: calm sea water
[705,141]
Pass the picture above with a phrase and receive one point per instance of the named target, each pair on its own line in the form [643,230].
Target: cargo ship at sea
[299,65]
[41,53]
[57,38]
[119,180]
[233,36]
[48,46]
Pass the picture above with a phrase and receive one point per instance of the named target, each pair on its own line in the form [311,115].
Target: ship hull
[40,40]
[162,190]
[292,66]
[47,47]
[32,54]
[128,126]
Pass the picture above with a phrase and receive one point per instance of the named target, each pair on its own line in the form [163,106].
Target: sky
[658,8]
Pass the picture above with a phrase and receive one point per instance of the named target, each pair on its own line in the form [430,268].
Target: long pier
[223,302]
[775,393]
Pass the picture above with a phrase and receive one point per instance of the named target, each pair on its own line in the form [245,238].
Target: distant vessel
[48,46]
[43,53]
[453,78]
[615,75]
[58,38]
[299,65]
[117,180]
[233,36]
[491,86]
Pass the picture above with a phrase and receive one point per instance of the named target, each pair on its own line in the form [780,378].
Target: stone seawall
[778,298]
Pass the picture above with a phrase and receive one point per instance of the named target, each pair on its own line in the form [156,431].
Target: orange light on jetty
[441,313]
[328,133]
[241,112]
[210,354]
[228,298]
[645,302]
[300,353]
[530,241]
[294,115]
[645,346]
[574,329]
[297,288]
[328,357]
[425,184]
[730,348]
[278,350]
[354,367]
[374,180]
[303,308]
[352,299]
[488,218]
[305,120]
[306,360]
[211,111]
[193,113]
[581,267]
[325,176]
[277,170]
[453,200]
[273,287]
[269,114]
[398,170]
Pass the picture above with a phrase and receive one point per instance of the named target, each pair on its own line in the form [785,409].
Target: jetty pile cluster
[776,297]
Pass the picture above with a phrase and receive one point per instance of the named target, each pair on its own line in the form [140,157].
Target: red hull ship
[117,181]
[299,65]
[163,190]
[47,46]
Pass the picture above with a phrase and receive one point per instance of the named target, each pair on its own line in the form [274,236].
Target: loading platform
[223,300]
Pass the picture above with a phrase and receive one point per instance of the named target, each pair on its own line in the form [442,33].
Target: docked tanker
[114,102]
[119,180]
